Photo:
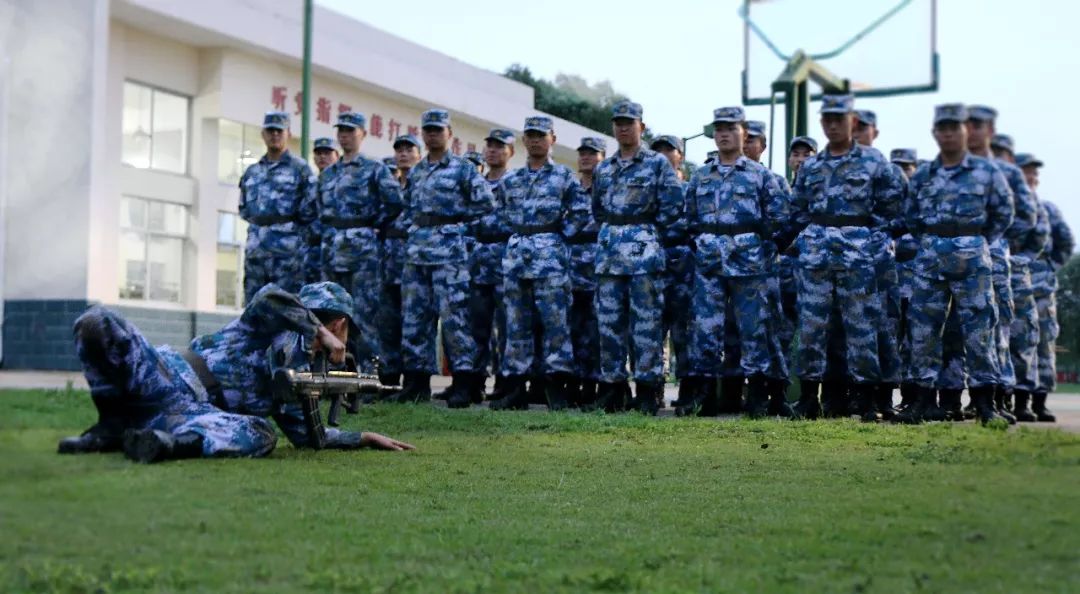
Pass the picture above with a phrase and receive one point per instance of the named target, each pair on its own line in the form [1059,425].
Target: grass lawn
[538,502]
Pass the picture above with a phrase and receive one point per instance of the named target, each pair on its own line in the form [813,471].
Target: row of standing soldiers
[877,273]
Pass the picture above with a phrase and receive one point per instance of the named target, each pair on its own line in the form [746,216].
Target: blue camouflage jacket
[452,188]
[974,193]
[732,212]
[541,208]
[278,199]
[356,198]
[491,234]
[1025,209]
[1058,248]
[644,188]
[860,183]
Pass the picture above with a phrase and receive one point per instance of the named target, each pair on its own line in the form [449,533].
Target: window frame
[238,245]
[186,151]
[147,234]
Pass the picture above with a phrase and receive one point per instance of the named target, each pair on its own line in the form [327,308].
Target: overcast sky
[682,58]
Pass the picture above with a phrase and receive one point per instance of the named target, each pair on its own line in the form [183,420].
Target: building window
[152,238]
[230,260]
[239,146]
[155,129]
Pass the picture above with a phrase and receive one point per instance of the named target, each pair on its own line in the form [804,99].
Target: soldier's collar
[444,161]
[638,156]
[284,158]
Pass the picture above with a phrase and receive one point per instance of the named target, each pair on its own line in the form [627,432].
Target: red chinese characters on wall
[375,126]
[322,110]
[277,97]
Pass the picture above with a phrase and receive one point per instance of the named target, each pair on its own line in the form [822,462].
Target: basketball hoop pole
[793,84]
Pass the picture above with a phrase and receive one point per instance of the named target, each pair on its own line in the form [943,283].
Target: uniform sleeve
[596,193]
[670,194]
[290,418]
[775,208]
[1063,239]
[1026,211]
[690,201]
[478,195]
[799,209]
[388,191]
[575,207]
[912,218]
[308,192]
[888,200]
[999,207]
[244,208]
[273,310]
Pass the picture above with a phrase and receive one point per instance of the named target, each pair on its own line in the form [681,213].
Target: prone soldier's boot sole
[147,445]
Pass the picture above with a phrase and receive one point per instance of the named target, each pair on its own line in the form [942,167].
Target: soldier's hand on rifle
[382,442]
[325,340]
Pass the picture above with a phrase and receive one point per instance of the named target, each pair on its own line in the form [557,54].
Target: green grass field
[538,502]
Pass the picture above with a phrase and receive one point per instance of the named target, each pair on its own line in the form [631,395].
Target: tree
[1068,307]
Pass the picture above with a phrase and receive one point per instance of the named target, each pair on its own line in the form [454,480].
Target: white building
[124,128]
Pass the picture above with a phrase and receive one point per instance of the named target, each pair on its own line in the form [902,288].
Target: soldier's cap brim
[435,125]
[324,148]
[346,125]
[274,127]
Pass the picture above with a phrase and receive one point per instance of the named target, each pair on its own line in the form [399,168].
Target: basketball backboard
[882,47]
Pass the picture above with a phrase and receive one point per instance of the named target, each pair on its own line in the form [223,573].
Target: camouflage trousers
[548,299]
[629,309]
[753,314]
[137,386]
[853,295]
[888,284]
[389,324]
[783,289]
[488,319]
[260,270]
[678,305]
[1048,333]
[585,335]
[362,282]
[970,294]
[953,373]
[430,293]
[1024,331]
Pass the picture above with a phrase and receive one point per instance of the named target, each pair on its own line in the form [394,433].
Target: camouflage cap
[501,135]
[1002,141]
[756,128]
[903,155]
[950,112]
[328,296]
[323,144]
[593,143]
[1028,160]
[390,162]
[837,103]
[805,141]
[866,116]
[669,139]
[351,119]
[729,114]
[982,113]
[539,124]
[474,157]
[276,120]
[409,138]
[627,109]
[439,118]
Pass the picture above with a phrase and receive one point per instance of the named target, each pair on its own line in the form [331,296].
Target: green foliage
[541,502]
[1068,307]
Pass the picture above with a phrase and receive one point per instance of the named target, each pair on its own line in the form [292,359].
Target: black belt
[669,242]
[426,220]
[394,233]
[537,229]
[582,239]
[954,230]
[264,220]
[206,377]
[640,219]
[492,238]
[721,229]
[346,222]
[841,220]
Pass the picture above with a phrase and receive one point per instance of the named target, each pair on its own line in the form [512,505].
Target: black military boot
[1002,396]
[708,396]
[149,445]
[951,405]
[757,396]
[1021,410]
[731,395]
[588,394]
[572,387]
[1038,406]
[610,397]
[450,390]
[536,391]
[649,397]
[913,415]
[686,393]
[415,388]
[808,406]
[555,392]
[497,391]
[909,393]
[98,438]
[778,402]
[470,388]
[835,397]
[883,401]
[931,410]
[864,402]
[982,399]
[516,398]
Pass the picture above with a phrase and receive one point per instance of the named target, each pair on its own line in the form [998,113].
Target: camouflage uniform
[357,197]
[957,213]
[1044,279]
[442,201]
[584,328]
[847,206]
[635,200]
[137,386]
[313,252]
[277,199]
